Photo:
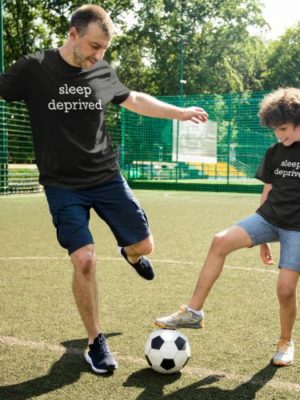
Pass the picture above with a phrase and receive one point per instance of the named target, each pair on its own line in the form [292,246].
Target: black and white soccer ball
[167,351]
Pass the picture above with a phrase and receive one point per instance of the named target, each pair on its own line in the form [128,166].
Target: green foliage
[219,54]
[207,43]
[36,24]
[24,31]
[284,59]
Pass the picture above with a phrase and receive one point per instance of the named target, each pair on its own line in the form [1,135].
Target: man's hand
[266,254]
[194,114]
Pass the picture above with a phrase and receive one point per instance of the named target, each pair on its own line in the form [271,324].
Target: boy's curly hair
[280,107]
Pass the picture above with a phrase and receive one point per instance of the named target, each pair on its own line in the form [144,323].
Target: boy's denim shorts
[262,231]
[113,201]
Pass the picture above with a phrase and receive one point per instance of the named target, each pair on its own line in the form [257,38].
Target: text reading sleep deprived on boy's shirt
[281,168]
[66,107]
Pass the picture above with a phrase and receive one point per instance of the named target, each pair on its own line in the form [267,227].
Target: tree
[32,25]
[211,37]
[283,61]
[219,52]
[24,31]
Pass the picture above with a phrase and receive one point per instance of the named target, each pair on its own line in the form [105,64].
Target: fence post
[123,138]
[3,128]
[229,137]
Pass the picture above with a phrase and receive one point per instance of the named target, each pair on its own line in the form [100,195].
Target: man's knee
[144,247]
[84,260]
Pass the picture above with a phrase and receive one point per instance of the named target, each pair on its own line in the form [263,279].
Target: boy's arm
[144,104]
[267,188]
[265,248]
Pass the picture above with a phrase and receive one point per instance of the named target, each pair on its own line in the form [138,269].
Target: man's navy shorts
[113,201]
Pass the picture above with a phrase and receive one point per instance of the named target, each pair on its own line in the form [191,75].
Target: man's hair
[280,107]
[89,13]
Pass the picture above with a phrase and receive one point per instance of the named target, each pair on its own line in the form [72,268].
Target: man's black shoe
[99,356]
[143,267]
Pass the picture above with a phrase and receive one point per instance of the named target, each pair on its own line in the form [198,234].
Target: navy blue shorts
[113,201]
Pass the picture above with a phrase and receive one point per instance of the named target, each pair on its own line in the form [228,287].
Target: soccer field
[42,338]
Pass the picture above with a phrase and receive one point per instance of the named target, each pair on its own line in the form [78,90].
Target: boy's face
[287,133]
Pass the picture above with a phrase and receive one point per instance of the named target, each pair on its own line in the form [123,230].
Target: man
[66,91]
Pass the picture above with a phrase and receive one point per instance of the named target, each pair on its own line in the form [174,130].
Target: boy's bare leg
[287,297]
[223,243]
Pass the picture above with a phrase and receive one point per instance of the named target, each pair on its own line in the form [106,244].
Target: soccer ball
[167,351]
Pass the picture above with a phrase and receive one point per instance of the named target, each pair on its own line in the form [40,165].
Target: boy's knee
[285,293]
[219,243]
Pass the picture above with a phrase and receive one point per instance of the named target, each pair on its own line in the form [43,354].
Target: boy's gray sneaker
[284,355]
[181,319]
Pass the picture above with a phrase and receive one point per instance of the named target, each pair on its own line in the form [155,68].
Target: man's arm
[265,248]
[144,104]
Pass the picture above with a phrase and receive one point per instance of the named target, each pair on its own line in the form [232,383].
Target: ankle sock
[196,312]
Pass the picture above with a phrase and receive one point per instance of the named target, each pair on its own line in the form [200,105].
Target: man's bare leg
[85,289]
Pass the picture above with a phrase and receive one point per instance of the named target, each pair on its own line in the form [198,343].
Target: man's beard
[78,58]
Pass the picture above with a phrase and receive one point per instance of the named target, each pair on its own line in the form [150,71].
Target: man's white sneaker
[285,353]
[181,319]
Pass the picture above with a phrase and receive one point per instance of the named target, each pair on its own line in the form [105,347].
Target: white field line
[160,261]
[203,372]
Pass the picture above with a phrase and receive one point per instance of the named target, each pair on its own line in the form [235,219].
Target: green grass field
[42,337]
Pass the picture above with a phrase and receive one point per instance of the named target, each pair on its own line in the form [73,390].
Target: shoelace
[103,346]
[179,314]
[282,345]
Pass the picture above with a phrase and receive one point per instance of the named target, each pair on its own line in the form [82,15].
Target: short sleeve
[120,91]
[13,82]
[265,170]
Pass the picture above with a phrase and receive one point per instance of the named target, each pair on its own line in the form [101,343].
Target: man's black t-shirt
[66,106]
[281,168]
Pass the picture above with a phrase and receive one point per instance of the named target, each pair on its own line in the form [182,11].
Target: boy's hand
[266,254]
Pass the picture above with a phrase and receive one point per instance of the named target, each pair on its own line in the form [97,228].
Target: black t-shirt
[66,106]
[281,168]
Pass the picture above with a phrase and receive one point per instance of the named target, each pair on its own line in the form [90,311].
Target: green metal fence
[156,153]
[18,171]
[169,155]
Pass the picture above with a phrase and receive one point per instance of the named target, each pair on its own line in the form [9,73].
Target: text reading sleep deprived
[78,104]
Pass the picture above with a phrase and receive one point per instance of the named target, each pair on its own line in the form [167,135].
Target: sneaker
[143,267]
[99,356]
[181,319]
[285,353]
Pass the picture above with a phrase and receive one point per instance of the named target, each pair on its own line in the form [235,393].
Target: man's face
[89,48]
[287,133]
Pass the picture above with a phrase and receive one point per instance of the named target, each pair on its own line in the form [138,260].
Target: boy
[276,220]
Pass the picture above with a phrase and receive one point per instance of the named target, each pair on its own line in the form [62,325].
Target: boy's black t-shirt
[66,106]
[281,168]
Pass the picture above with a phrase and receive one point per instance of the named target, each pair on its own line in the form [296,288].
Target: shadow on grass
[154,383]
[63,372]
